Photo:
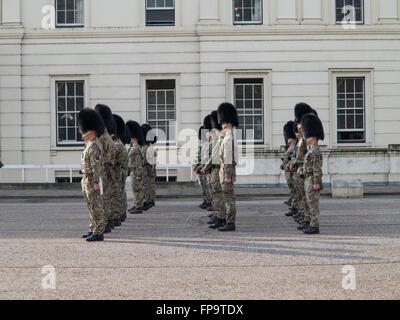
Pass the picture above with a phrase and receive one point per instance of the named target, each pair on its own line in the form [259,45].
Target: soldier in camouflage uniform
[228,155]
[197,169]
[212,168]
[136,165]
[291,140]
[313,131]
[151,165]
[91,126]
[109,162]
[146,177]
[120,171]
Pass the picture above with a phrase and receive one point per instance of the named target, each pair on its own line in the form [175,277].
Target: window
[69,101]
[249,102]
[161,108]
[160,13]
[247,11]
[69,13]
[349,11]
[350,110]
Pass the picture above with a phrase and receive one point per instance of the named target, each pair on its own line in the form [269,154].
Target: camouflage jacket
[287,156]
[229,156]
[121,160]
[313,164]
[92,161]
[136,163]
[300,152]
[197,161]
[215,160]
[108,154]
[205,154]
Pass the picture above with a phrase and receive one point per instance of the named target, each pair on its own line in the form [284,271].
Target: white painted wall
[298,46]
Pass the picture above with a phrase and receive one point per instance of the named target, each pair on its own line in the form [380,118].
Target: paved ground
[169,253]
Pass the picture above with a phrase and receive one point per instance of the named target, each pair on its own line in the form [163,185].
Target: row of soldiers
[302,163]
[216,166]
[106,164]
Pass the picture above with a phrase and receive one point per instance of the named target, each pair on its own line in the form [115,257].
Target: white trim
[265,74]
[53,114]
[368,74]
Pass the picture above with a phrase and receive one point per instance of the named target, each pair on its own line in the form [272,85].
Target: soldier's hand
[97,187]
[228,181]
[316,187]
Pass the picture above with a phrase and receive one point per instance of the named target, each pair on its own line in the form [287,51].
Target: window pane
[70,104]
[79,89]
[169,3]
[151,3]
[258,104]
[62,119]
[170,97]
[60,4]
[257,92]
[359,122]
[71,120]
[159,3]
[70,5]
[80,104]
[248,92]
[71,134]
[62,135]
[160,97]
[61,104]
[61,17]
[70,17]
[239,92]
[60,89]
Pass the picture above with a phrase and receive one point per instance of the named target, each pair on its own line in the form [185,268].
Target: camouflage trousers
[150,185]
[118,199]
[301,196]
[138,192]
[230,202]
[312,200]
[107,198]
[205,187]
[290,183]
[217,197]
[94,204]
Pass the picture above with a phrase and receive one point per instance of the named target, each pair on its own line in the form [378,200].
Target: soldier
[151,164]
[120,172]
[296,165]
[312,131]
[291,140]
[145,178]
[197,169]
[109,161]
[212,168]
[228,154]
[136,166]
[91,127]
[205,155]
[126,141]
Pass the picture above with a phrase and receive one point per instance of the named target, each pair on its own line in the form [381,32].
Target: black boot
[145,206]
[151,204]
[117,222]
[84,236]
[123,217]
[304,225]
[311,230]
[203,205]
[209,207]
[218,224]
[111,223]
[107,229]
[291,213]
[95,237]
[212,220]
[228,227]
[136,211]
[131,208]
[210,215]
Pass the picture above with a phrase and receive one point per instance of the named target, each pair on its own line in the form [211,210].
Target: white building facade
[171,62]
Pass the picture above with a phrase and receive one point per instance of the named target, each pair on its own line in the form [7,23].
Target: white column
[209,12]
[11,12]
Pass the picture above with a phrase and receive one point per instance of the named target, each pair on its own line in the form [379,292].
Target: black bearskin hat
[120,126]
[148,138]
[301,109]
[312,126]
[227,113]
[200,131]
[295,129]
[214,121]
[127,136]
[106,113]
[136,131]
[88,120]
[288,130]
[207,122]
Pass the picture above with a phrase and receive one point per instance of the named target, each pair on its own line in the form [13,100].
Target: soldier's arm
[317,168]
[229,165]
[95,162]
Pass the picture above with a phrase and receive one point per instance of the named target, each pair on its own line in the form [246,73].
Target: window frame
[55,146]
[266,75]
[146,8]
[248,22]
[369,117]
[69,25]
[362,22]
[247,141]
